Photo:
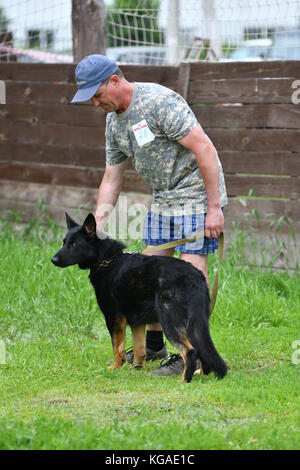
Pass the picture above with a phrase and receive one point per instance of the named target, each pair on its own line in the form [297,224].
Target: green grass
[56,391]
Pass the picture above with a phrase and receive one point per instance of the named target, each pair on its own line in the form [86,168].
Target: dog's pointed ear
[70,222]
[90,225]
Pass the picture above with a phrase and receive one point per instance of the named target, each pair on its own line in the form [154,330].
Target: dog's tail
[211,361]
[204,348]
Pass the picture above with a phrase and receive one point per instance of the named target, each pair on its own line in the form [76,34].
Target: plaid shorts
[160,229]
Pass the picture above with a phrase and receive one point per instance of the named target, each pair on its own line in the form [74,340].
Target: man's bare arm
[205,154]
[109,191]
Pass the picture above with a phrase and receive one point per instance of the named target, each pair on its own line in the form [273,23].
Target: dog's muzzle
[55,260]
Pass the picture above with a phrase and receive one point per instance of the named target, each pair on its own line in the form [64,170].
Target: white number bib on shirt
[142,133]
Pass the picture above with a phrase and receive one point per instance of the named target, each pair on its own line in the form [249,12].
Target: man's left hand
[214,223]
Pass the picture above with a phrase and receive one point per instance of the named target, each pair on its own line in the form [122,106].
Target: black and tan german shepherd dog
[136,289]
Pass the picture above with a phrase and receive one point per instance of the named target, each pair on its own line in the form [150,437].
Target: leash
[164,246]
[214,291]
[182,241]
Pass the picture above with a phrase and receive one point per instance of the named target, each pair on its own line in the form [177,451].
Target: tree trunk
[88,28]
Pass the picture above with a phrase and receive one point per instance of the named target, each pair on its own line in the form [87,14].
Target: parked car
[251,50]
[145,55]
[285,46]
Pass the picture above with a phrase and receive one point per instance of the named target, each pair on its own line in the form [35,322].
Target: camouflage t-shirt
[147,132]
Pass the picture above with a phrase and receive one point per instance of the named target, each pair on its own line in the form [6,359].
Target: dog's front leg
[139,346]
[118,341]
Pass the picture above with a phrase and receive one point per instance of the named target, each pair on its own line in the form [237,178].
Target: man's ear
[70,222]
[90,225]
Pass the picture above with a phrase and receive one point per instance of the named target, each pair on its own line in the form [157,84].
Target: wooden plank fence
[245,108]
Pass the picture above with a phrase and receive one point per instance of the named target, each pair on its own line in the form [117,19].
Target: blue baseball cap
[90,73]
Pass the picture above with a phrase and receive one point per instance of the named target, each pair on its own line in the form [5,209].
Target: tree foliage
[133,22]
[4,21]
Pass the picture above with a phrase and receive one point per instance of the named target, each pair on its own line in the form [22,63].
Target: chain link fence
[157,32]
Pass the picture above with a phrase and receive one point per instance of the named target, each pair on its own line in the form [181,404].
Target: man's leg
[169,252]
[198,261]
[175,364]
[154,337]
[155,346]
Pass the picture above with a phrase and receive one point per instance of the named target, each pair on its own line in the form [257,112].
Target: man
[156,128]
